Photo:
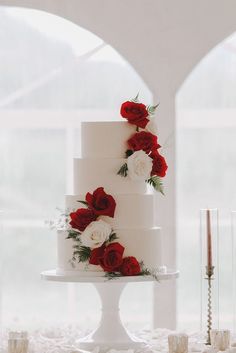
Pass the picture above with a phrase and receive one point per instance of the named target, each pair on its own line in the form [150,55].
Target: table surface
[63,340]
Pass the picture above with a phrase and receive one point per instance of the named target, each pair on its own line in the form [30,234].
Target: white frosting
[132,210]
[144,244]
[103,149]
[89,173]
[105,139]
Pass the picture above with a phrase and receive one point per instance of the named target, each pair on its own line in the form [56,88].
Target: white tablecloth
[63,340]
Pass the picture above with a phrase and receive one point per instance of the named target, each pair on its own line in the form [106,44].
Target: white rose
[95,234]
[152,127]
[139,166]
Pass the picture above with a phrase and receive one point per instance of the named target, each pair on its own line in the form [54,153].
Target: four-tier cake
[110,212]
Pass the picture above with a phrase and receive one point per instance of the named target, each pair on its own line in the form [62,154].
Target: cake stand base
[110,334]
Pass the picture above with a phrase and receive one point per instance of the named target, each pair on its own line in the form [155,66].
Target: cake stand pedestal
[110,333]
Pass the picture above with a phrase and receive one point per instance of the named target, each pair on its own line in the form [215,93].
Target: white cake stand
[110,333]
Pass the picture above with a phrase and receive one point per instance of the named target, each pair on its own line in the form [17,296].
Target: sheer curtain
[53,76]
[206,169]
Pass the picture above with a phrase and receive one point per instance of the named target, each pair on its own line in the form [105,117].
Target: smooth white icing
[144,244]
[103,148]
[89,173]
[132,210]
[105,139]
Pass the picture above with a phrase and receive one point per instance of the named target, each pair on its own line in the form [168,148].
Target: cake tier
[105,139]
[132,211]
[89,173]
[144,244]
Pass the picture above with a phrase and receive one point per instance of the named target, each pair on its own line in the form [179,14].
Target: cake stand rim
[52,275]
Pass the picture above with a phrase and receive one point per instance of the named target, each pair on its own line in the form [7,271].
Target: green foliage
[112,237]
[156,183]
[135,99]
[77,246]
[123,171]
[72,262]
[152,108]
[147,272]
[112,275]
[85,203]
[128,153]
[82,253]
[73,234]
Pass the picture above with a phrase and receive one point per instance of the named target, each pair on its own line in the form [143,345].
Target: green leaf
[137,128]
[72,234]
[152,108]
[156,183]
[148,272]
[112,275]
[83,202]
[112,237]
[77,246]
[135,99]
[72,262]
[128,153]
[123,171]
[83,253]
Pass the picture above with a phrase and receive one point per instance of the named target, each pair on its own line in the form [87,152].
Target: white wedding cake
[131,230]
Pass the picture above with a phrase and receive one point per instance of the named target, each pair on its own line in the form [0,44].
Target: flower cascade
[144,161]
[95,241]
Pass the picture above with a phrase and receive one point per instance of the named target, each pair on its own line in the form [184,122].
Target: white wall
[163,40]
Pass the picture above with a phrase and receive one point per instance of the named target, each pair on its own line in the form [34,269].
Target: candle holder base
[209,278]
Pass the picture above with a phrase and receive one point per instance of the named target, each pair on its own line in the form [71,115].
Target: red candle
[209,244]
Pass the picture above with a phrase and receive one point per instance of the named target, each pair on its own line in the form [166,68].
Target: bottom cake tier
[144,244]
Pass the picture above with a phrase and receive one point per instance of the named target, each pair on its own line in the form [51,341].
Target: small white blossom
[139,165]
[61,222]
[95,234]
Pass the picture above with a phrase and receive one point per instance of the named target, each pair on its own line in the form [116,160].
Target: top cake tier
[105,139]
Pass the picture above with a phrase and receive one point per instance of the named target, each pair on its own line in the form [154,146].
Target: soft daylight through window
[55,77]
[206,130]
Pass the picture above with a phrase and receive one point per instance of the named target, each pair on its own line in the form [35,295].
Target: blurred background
[51,72]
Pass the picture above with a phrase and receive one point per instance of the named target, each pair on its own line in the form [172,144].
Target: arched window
[206,170]
[54,75]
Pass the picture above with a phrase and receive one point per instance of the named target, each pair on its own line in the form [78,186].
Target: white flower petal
[95,234]
[139,166]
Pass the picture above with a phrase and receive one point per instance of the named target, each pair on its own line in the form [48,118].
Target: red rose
[96,255]
[143,141]
[112,257]
[130,266]
[101,203]
[159,166]
[81,218]
[135,113]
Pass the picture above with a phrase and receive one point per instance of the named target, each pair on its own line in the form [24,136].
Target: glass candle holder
[220,339]
[178,343]
[233,235]
[1,266]
[209,242]
[18,342]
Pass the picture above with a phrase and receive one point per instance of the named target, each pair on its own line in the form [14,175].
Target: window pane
[33,171]
[206,130]
[55,77]
[59,65]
